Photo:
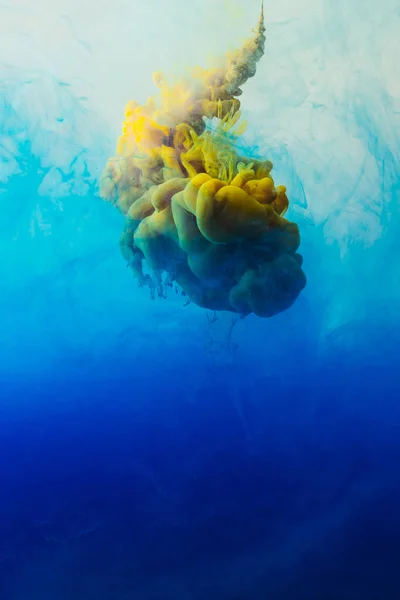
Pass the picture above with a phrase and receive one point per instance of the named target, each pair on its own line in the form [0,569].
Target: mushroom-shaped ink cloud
[197,213]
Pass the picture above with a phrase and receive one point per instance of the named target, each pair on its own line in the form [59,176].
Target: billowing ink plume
[197,213]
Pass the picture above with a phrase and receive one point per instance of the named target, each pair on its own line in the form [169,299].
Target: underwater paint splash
[197,213]
[144,451]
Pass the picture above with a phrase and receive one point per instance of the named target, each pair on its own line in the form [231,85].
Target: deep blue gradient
[109,491]
[150,453]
